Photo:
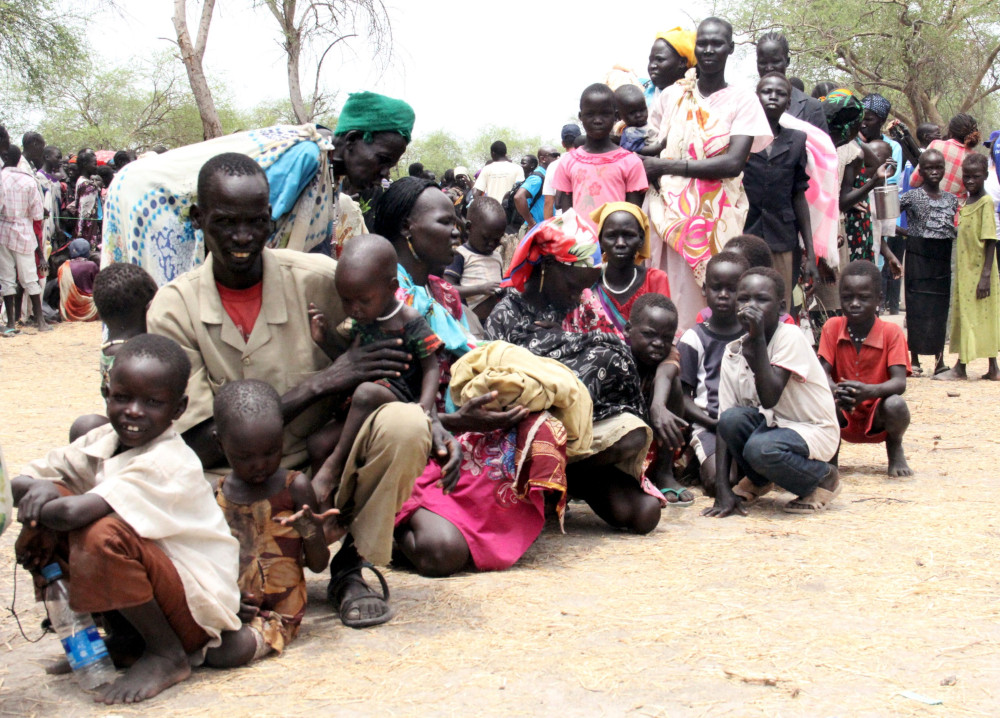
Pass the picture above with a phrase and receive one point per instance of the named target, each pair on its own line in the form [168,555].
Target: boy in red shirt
[867,362]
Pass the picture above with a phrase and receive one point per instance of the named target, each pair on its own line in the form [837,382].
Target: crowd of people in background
[686,297]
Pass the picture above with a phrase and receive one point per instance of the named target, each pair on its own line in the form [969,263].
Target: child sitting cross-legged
[777,418]
[366,282]
[127,510]
[271,511]
[701,350]
[867,362]
[650,331]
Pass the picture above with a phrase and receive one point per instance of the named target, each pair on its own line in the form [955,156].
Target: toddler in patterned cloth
[271,511]
[366,282]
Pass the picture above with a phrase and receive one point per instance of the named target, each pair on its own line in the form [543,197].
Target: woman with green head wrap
[146,217]
[371,135]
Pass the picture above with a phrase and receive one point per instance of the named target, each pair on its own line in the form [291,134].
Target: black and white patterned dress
[601,361]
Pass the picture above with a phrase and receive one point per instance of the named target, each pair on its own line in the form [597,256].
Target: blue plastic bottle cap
[52,572]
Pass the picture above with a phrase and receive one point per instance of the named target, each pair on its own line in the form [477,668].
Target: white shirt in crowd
[497,178]
[806,405]
[159,490]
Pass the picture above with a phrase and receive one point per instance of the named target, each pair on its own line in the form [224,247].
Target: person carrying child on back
[478,266]
[144,537]
[366,282]
[867,364]
[271,511]
[975,303]
[701,350]
[777,418]
[600,171]
[930,234]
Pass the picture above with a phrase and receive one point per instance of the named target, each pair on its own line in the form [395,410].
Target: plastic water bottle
[87,654]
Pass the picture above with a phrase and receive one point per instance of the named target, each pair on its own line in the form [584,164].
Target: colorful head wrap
[567,238]
[843,112]
[79,247]
[600,214]
[877,104]
[370,113]
[682,41]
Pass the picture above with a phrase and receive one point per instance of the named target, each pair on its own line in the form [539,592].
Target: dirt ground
[894,589]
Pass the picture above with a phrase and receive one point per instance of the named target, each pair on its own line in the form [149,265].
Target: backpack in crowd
[514,218]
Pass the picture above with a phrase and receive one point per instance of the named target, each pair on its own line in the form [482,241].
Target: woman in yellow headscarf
[671,56]
[623,230]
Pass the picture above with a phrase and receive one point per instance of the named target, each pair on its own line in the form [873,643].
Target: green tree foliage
[36,42]
[478,150]
[439,151]
[134,107]
[932,58]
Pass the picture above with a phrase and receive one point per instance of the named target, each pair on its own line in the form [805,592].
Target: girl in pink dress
[600,171]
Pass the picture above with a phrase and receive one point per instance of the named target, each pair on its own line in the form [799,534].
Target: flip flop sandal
[818,500]
[344,607]
[8,333]
[750,492]
[677,495]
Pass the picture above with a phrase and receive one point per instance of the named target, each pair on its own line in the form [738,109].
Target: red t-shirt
[242,306]
[885,346]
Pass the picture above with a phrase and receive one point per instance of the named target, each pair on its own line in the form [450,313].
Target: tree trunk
[192,56]
[293,47]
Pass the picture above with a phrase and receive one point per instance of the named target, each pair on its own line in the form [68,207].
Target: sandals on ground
[679,503]
[340,580]
[819,500]
[750,492]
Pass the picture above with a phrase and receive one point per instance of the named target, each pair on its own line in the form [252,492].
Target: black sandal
[336,585]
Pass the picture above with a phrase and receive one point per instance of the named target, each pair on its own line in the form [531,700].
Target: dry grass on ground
[894,589]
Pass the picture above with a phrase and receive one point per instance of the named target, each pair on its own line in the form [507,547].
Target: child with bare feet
[271,511]
[127,509]
[701,350]
[975,301]
[777,418]
[366,282]
[650,331]
[866,361]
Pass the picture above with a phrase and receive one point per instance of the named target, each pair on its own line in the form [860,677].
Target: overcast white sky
[457,63]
